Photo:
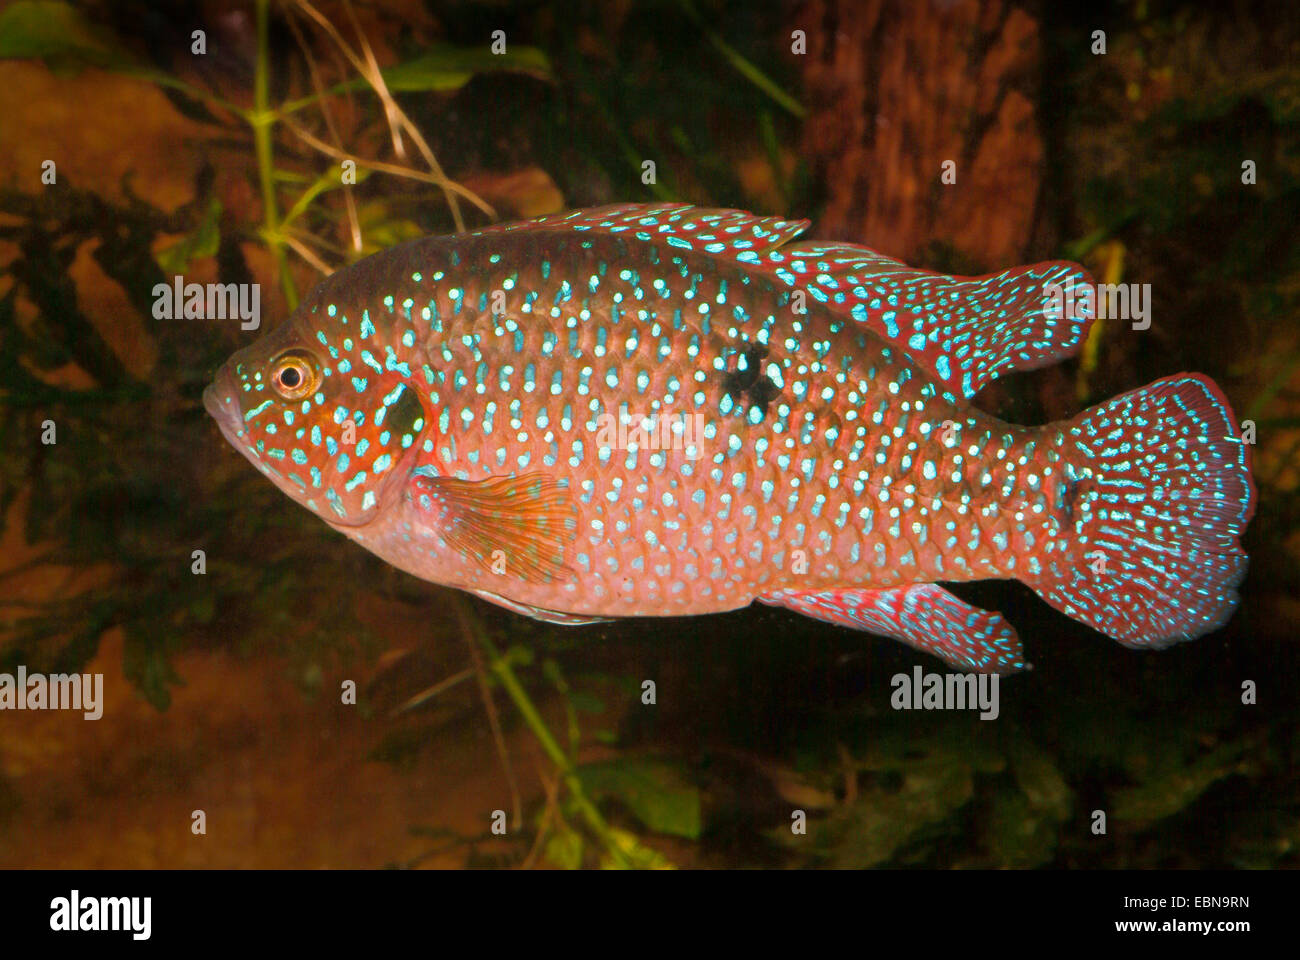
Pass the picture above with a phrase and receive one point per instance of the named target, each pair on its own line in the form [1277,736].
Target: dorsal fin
[965,331]
[716,231]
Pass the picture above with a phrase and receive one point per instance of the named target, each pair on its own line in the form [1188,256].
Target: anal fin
[922,615]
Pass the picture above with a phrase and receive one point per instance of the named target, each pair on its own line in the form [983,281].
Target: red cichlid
[652,410]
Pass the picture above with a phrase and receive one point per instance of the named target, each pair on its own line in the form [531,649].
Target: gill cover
[331,432]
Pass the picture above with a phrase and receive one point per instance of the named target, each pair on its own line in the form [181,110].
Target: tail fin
[1156,489]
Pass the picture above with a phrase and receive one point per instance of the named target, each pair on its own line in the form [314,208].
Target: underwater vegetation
[308,136]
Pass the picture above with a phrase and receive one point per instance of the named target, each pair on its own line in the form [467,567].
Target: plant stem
[262,120]
[524,704]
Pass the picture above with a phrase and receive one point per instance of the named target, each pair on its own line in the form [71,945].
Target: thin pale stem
[494,719]
[391,168]
[349,201]
[524,704]
[393,112]
[300,248]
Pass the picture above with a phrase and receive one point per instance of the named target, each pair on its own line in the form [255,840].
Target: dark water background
[223,689]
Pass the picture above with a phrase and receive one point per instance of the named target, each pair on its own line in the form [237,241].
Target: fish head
[330,427]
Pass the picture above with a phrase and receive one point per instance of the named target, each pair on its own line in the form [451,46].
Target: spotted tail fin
[1155,489]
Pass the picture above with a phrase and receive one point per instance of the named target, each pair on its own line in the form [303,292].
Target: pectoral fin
[521,527]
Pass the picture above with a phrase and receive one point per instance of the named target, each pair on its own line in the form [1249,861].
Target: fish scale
[820,453]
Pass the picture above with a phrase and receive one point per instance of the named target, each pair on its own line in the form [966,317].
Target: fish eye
[294,376]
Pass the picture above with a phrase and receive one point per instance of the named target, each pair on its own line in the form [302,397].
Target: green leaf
[1019,833]
[564,849]
[203,608]
[203,241]
[1041,782]
[1174,785]
[519,655]
[146,665]
[58,34]
[443,68]
[635,854]
[450,68]
[585,702]
[331,179]
[914,778]
[657,793]
[381,229]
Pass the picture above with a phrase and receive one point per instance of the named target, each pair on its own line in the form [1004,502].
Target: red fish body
[662,410]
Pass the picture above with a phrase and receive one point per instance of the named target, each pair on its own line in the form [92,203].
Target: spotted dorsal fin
[965,331]
[719,232]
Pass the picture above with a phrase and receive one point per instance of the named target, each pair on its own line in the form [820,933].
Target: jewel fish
[662,410]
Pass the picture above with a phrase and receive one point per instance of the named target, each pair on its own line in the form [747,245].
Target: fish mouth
[219,400]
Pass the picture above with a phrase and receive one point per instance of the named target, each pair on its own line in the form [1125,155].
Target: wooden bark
[897,87]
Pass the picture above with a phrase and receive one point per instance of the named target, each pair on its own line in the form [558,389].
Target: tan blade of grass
[370,72]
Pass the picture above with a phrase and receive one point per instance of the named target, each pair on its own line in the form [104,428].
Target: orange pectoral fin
[520,527]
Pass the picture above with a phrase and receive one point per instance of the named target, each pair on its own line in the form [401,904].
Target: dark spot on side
[1067,494]
[747,384]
